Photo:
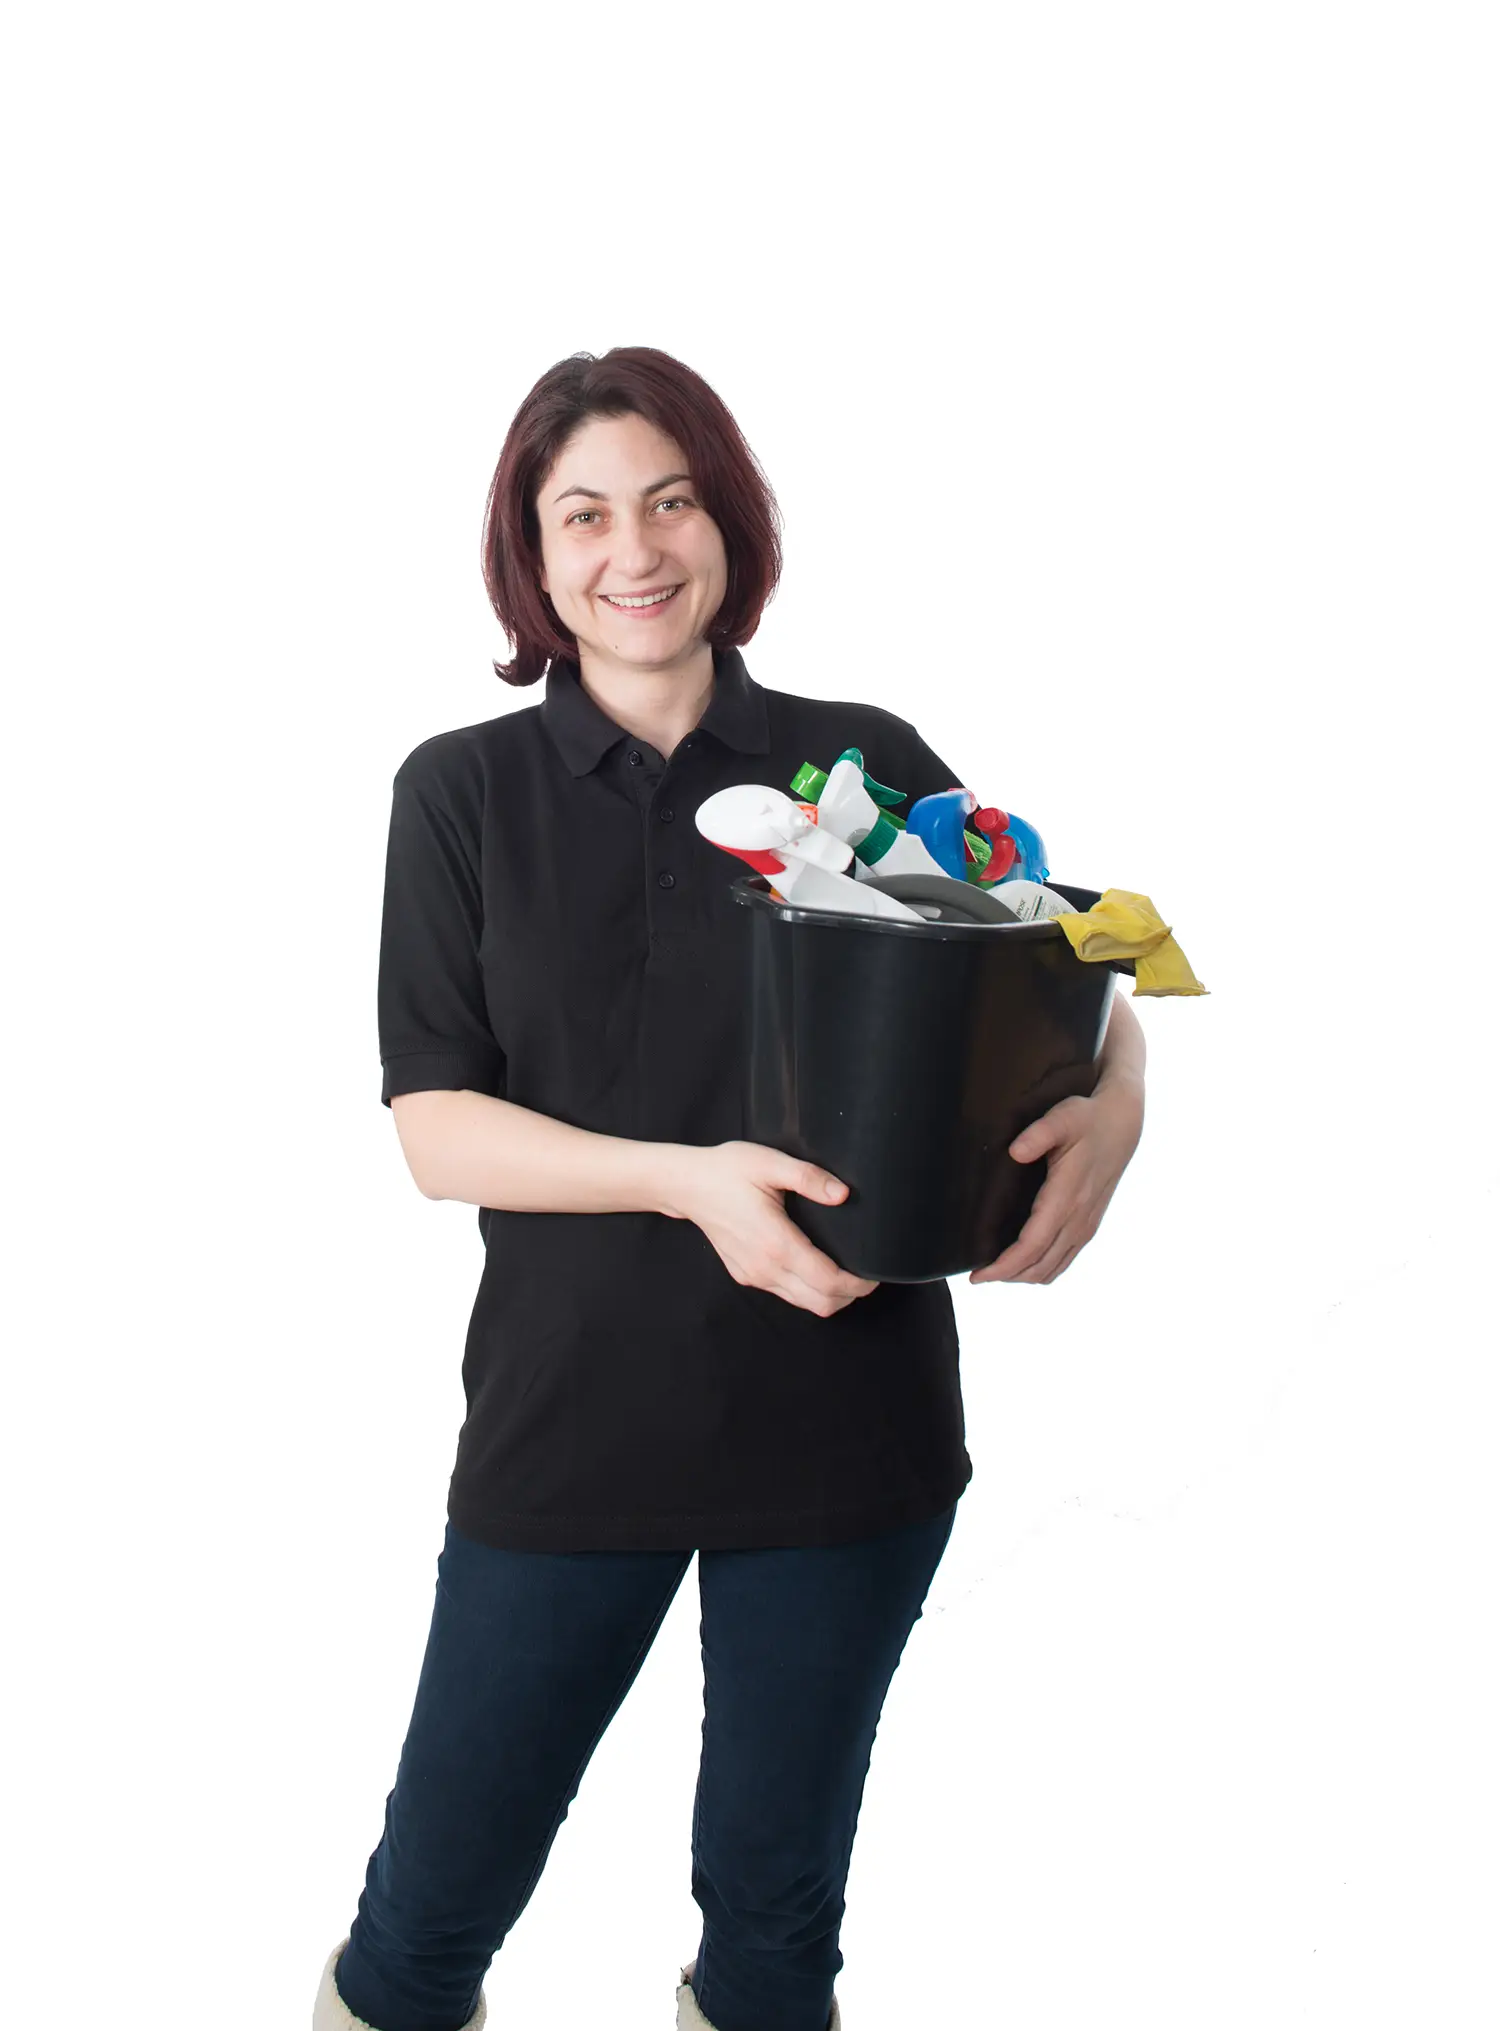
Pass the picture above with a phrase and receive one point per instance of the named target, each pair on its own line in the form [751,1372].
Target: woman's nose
[637,546]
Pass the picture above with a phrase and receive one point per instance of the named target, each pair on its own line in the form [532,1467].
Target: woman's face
[630,521]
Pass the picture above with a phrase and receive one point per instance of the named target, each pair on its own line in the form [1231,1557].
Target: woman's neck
[659,706]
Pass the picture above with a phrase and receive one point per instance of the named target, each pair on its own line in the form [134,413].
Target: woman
[659,1361]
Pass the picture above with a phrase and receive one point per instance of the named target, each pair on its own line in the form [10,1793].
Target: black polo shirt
[557,932]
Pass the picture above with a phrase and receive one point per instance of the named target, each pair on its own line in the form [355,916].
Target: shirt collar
[584,732]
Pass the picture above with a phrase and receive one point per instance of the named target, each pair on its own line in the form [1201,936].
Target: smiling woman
[622,478]
[659,1361]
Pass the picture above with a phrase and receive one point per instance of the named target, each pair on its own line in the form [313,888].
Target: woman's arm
[488,1152]
[1087,1144]
[1122,1061]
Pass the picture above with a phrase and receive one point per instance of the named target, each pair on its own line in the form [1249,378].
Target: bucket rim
[753,891]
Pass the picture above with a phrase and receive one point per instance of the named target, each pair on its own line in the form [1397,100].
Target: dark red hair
[639,381]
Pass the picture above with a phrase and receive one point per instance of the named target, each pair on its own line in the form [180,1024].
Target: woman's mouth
[653,603]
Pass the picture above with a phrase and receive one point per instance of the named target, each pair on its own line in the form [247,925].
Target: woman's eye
[673,500]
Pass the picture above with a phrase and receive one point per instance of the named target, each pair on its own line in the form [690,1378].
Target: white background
[1127,378]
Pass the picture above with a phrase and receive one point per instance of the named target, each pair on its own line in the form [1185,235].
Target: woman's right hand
[732,1191]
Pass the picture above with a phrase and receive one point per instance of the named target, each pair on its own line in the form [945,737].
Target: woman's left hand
[1087,1143]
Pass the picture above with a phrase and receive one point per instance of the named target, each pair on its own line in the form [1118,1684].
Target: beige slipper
[691,2018]
[332,2013]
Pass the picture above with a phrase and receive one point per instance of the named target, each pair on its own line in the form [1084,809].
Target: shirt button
[635,758]
[666,814]
[666,881]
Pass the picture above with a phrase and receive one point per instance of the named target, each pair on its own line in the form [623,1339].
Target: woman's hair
[639,381]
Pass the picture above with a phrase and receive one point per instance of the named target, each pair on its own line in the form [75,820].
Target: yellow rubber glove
[1123,925]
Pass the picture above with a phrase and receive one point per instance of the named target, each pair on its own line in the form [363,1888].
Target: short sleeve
[433,1020]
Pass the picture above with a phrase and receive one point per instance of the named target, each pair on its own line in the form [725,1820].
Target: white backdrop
[1127,380]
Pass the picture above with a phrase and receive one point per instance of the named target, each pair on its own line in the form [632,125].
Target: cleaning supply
[1031,900]
[1124,925]
[941,900]
[847,805]
[993,826]
[783,841]
[1030,863]
[885,828]
[994,846]
[938,821]
[827,853]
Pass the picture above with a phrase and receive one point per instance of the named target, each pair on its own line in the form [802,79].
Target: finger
[797,1291]
[1026,1251]
[809,1266]
[802,1256]
[1054,1209]
[823,1275]
[811,1181]
[1057,1258]
[1051,1131]
[1080,1242]
[1067,1259]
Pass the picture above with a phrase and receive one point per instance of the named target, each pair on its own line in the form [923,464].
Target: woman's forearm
[488,1152]
[1122,1061]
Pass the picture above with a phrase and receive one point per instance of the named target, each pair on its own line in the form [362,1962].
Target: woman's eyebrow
[594,495]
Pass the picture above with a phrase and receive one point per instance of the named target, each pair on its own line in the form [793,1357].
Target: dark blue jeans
[529,1657]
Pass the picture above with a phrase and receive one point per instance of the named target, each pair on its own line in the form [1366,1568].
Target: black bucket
[905,1058]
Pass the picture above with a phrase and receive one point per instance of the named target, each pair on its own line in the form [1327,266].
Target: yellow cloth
[1123,925]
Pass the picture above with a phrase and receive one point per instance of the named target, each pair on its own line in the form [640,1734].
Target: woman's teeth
[654,599]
